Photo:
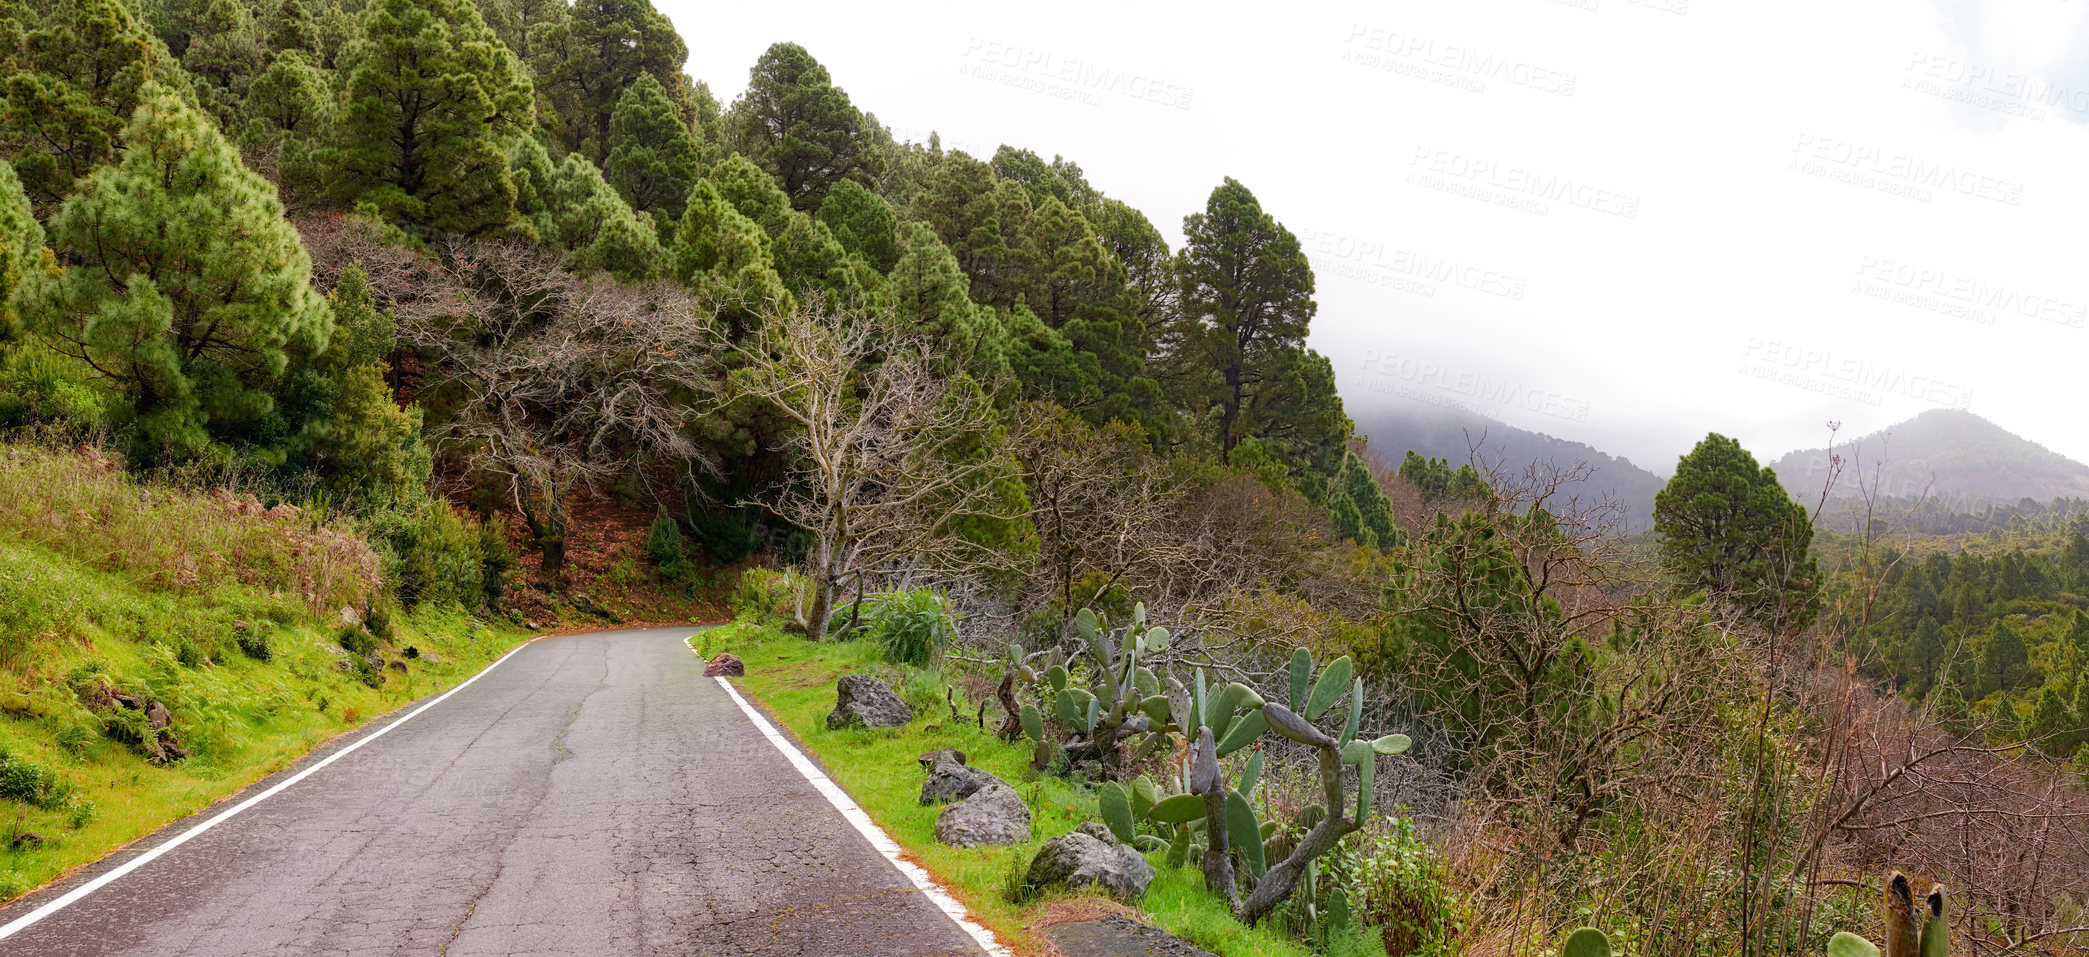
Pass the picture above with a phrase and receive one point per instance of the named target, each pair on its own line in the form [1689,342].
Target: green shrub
[1400,886]
[495,559]
[911,626]
[766,593]
[357,641]
[46,392]
[725,538]
[664,549]
[252,638]
[33,785]
[432,555]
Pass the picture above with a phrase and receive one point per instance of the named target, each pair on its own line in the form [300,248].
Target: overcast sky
[1623,222]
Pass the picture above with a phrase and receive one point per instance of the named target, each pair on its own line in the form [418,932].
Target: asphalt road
[594,795]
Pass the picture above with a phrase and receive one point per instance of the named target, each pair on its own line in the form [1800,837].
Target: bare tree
[898,466]
[555,381]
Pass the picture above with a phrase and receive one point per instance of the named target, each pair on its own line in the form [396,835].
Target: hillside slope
[1962,460]
[1452,435]
[161,647]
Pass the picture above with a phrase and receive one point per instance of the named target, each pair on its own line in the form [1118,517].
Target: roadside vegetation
[162,646]
[793,678]
[571,339]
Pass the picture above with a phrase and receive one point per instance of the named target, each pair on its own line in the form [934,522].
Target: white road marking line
[866,827]
[73,896]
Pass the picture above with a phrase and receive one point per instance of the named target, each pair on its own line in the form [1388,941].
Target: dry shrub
[80,504]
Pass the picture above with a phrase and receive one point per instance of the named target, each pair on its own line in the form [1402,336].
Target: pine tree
[863,222]
[1296,410]
[654,161]
[21,245]
[74,71]
[812,262]
[586,57]
[984,222]
[1354,488]
[370,448]
[1729,528]
[723,253]
[2003,660]
[1247,301]
[293,28]
[797,125]
[184,284]
[290,97]
[429,101]
[227,52]
[2053,723]
[927,292]
[514,20]
[753,193]
[1922,655]
[569,206]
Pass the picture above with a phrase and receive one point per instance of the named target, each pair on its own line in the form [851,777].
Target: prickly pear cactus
[1846,944]
[1116,809]
[1586,942]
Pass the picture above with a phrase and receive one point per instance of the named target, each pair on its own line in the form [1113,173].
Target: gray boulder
[930,759]
[1097,830]
[994,814]
[861,701]
[949,781]
[1078,860]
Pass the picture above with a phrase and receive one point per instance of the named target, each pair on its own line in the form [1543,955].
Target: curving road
[593,795]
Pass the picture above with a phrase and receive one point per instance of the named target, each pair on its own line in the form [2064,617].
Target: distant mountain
[1964,461]
[1443,433]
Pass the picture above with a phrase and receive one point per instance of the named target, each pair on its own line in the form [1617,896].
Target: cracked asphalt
[594,795]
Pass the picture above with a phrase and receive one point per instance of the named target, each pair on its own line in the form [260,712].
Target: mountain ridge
[1951,455]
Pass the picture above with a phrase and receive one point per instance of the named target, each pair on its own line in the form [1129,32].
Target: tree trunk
[1277,882]
[553,545]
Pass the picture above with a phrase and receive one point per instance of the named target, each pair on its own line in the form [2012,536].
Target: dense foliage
[381,257]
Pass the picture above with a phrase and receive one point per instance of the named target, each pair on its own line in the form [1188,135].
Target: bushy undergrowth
[1400,887]
[162,646]
[83,507]
[912,627]
[433,555]
[768,594]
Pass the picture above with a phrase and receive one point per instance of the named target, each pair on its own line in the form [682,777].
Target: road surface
[593,795]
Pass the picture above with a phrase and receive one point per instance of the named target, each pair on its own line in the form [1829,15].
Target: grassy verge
[795,679]
[208,607]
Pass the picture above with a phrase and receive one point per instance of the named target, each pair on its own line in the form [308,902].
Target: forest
[466,276]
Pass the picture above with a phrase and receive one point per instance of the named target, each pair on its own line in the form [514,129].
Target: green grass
[68,619]
[795,679]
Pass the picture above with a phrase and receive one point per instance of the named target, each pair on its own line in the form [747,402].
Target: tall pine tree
[587,56]
[184,286]
[21,245]
[1247,300]
[798,125]
[429,100]
[1728,527]
[654,160]
[74,70]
